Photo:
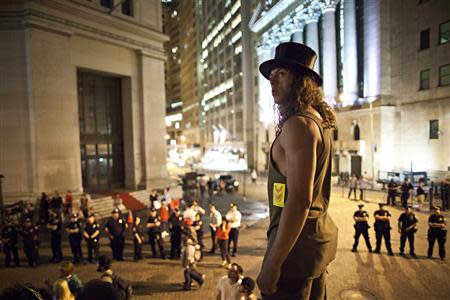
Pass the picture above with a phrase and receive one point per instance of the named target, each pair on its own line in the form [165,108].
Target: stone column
[312,33]
[298,26]
[372,50]
[350,62]
[329,51]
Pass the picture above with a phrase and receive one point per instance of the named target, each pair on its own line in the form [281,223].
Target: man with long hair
[302,237]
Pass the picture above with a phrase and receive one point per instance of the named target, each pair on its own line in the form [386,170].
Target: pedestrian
[254,176]
[152,198]
[56,203]
[202,185]
[383,229]
[92,235]
[154,233]
[44,205]
[297,254]
[437,231]
[30,235]
[407,227]
[8,238]
[167,197]
[198,226]
[164,217]
[246,289]
[420,194]
[176,230]
[66,272]
[84,205]
[115,230]
[122,287]
[55,227]
[189,261]
[228,285]
[353,183]
[406,188]
[210,185]
[392,192]
[138,238]
[75,232]
[223,234]
[361,218]
[97,289]
[215,219]
[234,217]
[61,290]
[68,202]
[362,184]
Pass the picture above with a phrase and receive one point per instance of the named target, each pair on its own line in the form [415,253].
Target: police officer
[407,223]
[392,192]
[92,235]
[138,238]
[9,240]
[54,226]
[30,235]
[75,231]
[361,227]
[383,229]
[406,188]
[176,230]
[154,233]
[437,230]
[115,229]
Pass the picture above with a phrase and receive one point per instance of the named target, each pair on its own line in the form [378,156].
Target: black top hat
[295,57]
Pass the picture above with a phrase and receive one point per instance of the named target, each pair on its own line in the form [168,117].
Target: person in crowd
[229,285]
[215,219]
[254,176]
[362,184]
[234,217]
[56,203]
[189,230]
[8,238]
[154,233]
[361,218]
[66,272]
[115,229]
[407,227]
[75,232]
[353,183]
[222,235]
[246,289]
[68,202]
[420,194]
[30,235]
[167,196]
[92,236]
[123,288]
[44,206]
[437,231]
[392,192]
[55,227]
[84,205]
[176,230]
[202,186]
[188,261]
[152,198]
[406,189]
[25,292]
[61,290]
[138,238]
[383,229]
[98,289]
[164,215]
[198,226]
[210,185]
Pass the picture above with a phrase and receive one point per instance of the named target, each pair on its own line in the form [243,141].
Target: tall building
[84,104]
[385,67]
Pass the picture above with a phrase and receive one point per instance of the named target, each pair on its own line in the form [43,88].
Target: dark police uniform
[405,187]
[392,192]
[176,230]
[406,221]
[92,242]
[437,233]
[154,235]
[382,230]
[30,235]
[75,240]
[55,225]
[137,239]
[116,229]
[9,239]
[361,227]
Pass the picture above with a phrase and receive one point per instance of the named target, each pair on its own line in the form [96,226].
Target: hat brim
[266,67]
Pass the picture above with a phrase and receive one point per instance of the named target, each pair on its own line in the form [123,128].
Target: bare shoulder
[298,128]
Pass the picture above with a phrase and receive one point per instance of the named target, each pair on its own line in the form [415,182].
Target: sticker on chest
[279,190]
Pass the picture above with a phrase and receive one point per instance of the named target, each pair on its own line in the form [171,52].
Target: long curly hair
[304,92]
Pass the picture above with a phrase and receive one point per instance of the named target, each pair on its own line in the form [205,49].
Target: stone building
[82,95]
[385,66]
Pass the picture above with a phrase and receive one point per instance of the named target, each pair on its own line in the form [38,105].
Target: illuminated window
[444,75]
[425,79]
[434,129]
[425,39]
[444,32]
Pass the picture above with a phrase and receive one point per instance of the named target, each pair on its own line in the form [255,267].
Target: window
[425,79]
[425,39]
[434,129]
[444,32]
[106,3]
[444,75]
[127,8]
[356,136]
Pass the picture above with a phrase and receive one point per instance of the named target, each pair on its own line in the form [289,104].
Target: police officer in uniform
[54,226]
[154,233]
[30,235]
[361,227]
[437,230]
[392,192]
[74,229]
[138,239]
[92,235]
[176,230]
[383,229]
[407,223]
[115,230]
[9,240]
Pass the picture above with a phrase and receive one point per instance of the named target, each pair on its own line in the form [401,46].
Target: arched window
[356,132]
[335,134]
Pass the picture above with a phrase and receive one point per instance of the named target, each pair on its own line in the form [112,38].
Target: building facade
[385,67]
[84,103]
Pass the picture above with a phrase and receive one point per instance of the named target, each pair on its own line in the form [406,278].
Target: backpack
[122,287]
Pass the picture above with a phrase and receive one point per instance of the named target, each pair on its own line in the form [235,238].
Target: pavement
[359,275]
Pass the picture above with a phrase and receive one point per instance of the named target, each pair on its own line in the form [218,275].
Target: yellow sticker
[278,194]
